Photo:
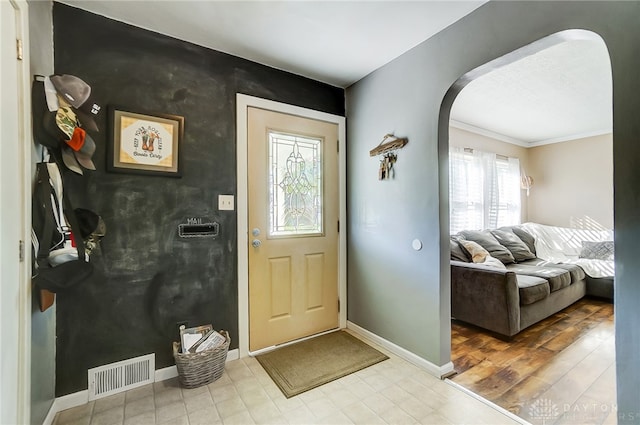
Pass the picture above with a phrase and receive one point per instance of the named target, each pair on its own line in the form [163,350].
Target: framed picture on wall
[142,143]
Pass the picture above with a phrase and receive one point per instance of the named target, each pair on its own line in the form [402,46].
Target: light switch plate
[225,202]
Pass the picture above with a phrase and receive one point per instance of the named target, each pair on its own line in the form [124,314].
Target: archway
[444,135]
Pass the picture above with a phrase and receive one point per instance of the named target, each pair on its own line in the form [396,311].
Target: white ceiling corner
[561,93]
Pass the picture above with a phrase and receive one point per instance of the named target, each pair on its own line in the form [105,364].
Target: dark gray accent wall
[403,295]
[43,324]
[146,277]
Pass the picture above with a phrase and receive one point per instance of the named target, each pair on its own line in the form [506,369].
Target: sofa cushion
[524,236]
[558,278]
[458,252]
[600,287]
[576,272]
[532,289]
[514,244]
[490,243]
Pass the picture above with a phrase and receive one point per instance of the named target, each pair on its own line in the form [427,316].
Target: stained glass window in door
[295,185]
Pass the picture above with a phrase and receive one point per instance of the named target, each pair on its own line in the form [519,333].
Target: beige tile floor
[391,392]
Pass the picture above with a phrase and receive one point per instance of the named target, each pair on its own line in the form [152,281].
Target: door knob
[256,243]
[255,232]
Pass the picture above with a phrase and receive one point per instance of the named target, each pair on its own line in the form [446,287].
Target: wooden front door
[293,227]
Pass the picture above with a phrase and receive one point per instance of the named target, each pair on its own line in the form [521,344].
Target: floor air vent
[121,376]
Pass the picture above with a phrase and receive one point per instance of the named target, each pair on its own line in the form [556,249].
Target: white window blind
[484,190]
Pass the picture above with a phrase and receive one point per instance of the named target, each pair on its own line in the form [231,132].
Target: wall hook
[384,146]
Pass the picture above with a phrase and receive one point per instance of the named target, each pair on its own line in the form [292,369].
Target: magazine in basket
[211,340]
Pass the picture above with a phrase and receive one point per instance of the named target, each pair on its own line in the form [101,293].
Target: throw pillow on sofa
[490,243]
[526,237]
[514,244]
[494,262]
[458,252]
[478,253]
[481,255]
[597,250]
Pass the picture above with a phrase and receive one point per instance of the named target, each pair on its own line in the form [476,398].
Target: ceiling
[561,93]
[337,42]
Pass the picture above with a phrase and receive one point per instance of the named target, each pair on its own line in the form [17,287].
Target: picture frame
[144,143]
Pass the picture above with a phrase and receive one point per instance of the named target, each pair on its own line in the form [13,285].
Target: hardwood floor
[558,371]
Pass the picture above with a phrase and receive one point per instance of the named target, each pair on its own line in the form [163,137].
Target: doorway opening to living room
[527,142]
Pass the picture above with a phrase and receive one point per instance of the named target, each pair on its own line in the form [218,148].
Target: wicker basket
[197,369]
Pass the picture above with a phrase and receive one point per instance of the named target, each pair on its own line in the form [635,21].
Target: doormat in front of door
[308,364]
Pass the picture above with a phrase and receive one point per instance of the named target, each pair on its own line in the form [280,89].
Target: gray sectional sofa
[527,289]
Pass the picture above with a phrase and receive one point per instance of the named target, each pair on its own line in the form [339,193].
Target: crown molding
[487,133]
[507,139]
[577,136]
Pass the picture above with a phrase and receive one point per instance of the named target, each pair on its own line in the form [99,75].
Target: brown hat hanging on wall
[67,109]
[77,93]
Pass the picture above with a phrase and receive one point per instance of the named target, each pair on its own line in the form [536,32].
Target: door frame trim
[22,387]
[243,102]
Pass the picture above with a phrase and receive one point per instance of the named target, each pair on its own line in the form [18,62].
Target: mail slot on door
[200,230]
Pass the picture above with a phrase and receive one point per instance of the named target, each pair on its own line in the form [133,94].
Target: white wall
[466,139]
[43,325]
[573,183]
[403,295]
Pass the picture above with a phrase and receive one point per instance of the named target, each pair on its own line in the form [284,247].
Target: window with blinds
[484,190]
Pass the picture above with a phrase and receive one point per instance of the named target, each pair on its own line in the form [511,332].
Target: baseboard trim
[66,402]
[171,371]
[48,420]
[166,373]
[487,402]
[233,355]
[439,372]
[82,397]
